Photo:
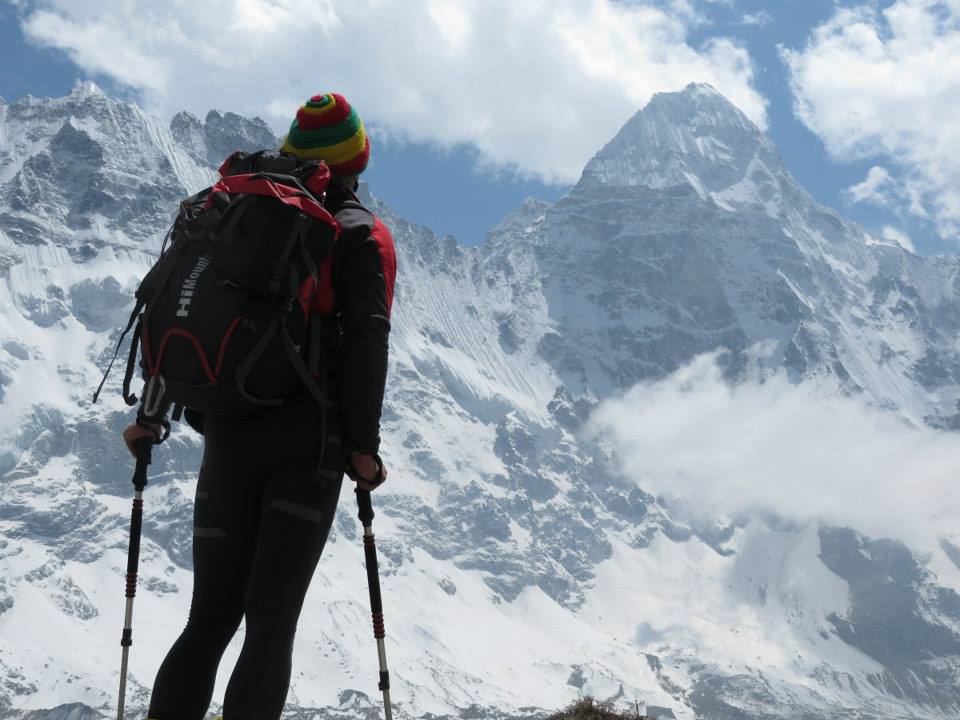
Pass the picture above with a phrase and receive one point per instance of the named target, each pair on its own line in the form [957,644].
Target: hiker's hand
[366,467]
[135,431]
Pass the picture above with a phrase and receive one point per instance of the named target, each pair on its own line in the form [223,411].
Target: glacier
[521,566]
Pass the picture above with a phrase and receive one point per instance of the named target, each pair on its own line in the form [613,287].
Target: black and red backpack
[237,312]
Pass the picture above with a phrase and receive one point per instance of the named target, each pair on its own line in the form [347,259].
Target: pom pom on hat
[327,128]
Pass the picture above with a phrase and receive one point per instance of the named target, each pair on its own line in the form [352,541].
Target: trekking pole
[376,602]
[143,447]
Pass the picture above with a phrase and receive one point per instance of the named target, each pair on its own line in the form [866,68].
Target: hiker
[265,498]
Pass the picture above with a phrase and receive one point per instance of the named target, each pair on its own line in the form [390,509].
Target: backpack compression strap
[133,344]
[313,175]
[265,184]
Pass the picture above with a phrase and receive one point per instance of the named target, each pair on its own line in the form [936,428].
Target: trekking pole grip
[144,451]
[370,558]
[366,506]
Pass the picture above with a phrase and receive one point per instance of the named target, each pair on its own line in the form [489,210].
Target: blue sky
[789,24]
[441,166]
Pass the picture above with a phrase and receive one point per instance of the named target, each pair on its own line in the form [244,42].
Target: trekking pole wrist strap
[158,437]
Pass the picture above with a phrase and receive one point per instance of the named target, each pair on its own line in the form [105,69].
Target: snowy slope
[519,570]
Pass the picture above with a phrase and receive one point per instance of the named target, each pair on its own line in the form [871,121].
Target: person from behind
[266,493]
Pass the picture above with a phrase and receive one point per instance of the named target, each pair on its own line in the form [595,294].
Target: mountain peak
[700,87]
[693,92]
[85,96]
[83,89]
[699,105]
[695,137]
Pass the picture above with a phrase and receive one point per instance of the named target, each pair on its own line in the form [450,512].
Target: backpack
[240,294]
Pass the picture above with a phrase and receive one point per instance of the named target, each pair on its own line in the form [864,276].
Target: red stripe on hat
[354,165]
[314,121]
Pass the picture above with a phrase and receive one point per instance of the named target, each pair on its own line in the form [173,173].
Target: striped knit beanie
[327,128]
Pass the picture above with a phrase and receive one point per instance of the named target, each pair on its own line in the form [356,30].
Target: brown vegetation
[589,709]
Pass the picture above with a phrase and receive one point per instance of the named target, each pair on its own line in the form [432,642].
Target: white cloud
[757,19]
[802,451]
[539,85]
[885,84]
[898,237]
[881,188]
[875,187]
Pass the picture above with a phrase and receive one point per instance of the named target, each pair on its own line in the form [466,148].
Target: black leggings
[264,507]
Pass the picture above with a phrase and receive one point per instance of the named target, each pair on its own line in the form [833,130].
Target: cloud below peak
[802,451]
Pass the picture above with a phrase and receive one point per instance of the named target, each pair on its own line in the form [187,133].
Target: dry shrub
[589,709]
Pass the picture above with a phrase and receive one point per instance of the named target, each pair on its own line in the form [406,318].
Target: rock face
[519,568]
[219,135]
[687,233]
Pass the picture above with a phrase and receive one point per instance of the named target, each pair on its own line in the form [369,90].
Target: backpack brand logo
[190,285]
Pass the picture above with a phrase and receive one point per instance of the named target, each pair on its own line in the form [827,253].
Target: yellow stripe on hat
[324,154]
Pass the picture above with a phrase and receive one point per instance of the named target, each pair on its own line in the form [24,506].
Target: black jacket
[364,272]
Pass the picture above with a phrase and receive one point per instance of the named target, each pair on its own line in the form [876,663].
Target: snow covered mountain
[520,568]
